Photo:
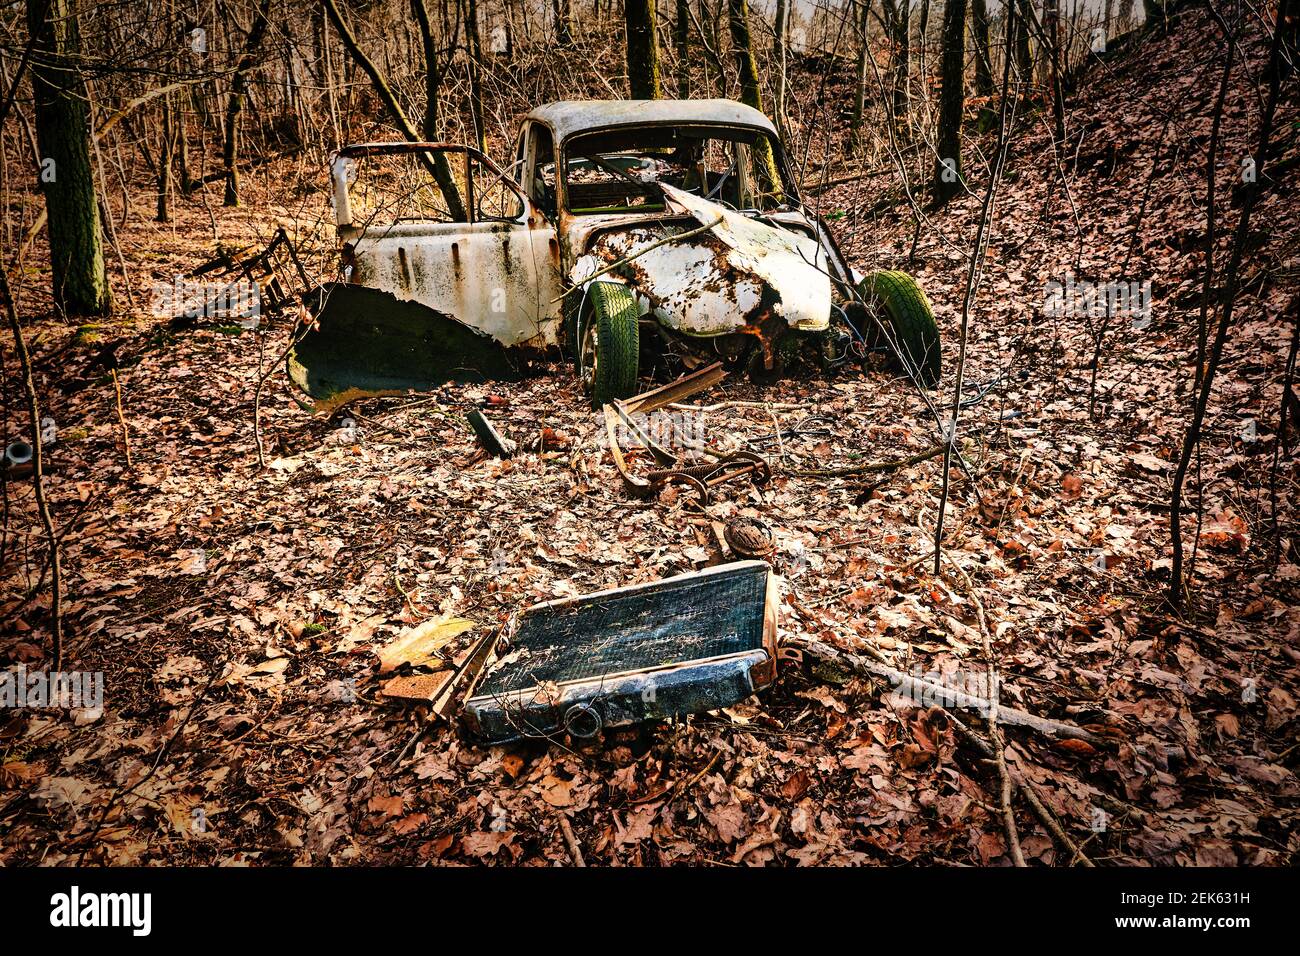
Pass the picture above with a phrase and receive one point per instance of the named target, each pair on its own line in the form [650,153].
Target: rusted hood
[737,273]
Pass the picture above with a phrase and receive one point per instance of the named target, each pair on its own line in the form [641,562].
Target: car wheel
[607,355]
[913,335]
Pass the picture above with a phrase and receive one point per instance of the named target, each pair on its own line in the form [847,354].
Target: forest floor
[236,613]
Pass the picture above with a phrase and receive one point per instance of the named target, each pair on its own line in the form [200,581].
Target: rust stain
[405,267]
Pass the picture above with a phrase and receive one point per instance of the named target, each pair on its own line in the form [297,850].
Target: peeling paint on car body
[724,280]
[498,277]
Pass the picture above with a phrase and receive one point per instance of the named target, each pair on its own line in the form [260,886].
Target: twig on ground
[995,734]
[570,839]
[38,475]
[121,419]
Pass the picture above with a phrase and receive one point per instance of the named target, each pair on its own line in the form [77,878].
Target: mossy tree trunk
[642,50]
[750,92]
[63,134]
[780,53]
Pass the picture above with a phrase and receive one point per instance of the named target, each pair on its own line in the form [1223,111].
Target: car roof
[567,117]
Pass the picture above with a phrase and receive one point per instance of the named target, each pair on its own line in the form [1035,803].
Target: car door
[443,226]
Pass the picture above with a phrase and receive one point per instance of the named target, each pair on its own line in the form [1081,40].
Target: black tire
[896,296]
[607,343]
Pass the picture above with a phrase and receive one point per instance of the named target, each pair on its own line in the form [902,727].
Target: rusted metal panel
[497,277]
[367,340]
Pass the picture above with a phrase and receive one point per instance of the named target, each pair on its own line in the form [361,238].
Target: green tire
[607,343]
[915,338]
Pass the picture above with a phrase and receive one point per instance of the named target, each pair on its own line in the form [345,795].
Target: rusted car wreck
[624,231]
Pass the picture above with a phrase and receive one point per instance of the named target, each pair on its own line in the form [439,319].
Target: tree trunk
[952,99]
[235,103]
[475,74]
[682,28]
[1155,14]
[439,167]
[979,22]
[63,134]
[860,93]
[432,71]
[780,52]
[902,58]
[1052,28]
[167,140]
[642,50]
[1024,58]
[750,93]
[563,36]
[167,131]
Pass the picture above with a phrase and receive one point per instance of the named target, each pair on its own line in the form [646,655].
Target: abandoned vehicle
[626,232]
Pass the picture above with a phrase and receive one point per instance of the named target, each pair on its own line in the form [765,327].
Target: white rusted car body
[570,206]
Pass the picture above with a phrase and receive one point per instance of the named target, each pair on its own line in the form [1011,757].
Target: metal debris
[16,461]
[749,537]
[720,467]
[273,270]
[688,644]
[496,444]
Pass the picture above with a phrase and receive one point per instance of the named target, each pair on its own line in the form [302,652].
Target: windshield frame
[790,194]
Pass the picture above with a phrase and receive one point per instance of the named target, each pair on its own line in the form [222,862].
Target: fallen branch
[923,689]
[1045,816]
[571,840]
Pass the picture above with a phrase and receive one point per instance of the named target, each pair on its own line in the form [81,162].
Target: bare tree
[952,102]
[1232,284]
[235,102]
